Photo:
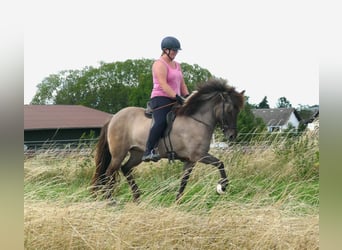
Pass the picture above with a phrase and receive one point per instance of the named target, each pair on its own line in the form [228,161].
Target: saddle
[170,117]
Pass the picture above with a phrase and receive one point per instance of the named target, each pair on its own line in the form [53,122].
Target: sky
[267,48]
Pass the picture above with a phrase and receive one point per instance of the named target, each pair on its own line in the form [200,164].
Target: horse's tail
[102,158]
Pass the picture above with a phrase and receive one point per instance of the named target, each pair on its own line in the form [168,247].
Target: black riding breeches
[158,119]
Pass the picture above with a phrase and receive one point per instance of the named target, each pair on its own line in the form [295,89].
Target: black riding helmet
[170,42]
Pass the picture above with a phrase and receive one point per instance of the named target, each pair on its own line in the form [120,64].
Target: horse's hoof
[219,189]
[111,203]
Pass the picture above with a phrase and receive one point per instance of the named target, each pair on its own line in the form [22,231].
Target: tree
[109,87]
[194,74]
[53,84]
[283,103]
[306,111]
[248,123]
[263,104]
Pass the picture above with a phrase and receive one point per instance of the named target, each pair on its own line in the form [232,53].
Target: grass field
[272,202]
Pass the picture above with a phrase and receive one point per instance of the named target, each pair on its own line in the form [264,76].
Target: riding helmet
[170,42]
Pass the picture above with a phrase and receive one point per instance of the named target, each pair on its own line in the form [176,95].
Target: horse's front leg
[223,183]
[187,169]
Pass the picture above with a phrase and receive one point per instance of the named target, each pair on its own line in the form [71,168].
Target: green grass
[284,173]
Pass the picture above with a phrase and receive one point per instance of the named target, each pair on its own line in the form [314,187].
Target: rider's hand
[180,99]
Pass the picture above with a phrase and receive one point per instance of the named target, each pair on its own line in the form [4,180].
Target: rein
[172,103]
[200,121]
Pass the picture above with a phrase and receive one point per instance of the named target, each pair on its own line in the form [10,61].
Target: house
[278,119]
[61,122]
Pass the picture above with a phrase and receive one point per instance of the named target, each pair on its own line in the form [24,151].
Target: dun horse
[125,135]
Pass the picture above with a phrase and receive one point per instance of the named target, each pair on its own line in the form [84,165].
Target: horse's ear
[242,92]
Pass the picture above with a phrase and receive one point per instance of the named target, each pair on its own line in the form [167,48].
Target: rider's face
[173,53]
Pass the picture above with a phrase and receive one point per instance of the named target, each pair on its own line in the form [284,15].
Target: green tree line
[113,86]
[109,87]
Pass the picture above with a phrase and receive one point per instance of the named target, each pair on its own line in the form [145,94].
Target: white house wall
[293,120]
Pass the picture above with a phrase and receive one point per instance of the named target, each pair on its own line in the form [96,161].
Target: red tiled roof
[63,116]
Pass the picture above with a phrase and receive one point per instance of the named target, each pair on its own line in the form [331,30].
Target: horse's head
[225,102]
[227,109]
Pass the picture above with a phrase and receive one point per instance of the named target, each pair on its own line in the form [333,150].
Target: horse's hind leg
[134,160]
[187,169]
[112,175]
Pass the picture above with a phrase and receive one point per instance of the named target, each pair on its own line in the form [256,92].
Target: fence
[245,141]
[57,147]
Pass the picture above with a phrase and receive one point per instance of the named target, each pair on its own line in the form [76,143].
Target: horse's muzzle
[231,134]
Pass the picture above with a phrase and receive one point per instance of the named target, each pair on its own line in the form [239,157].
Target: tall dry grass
[95,225]
[272,203]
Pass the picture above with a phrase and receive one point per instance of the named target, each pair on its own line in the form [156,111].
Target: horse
[123,138]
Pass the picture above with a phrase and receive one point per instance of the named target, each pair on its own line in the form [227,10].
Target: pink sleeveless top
[174,78]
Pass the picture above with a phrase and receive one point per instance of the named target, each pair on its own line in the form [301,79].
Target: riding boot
[151,155]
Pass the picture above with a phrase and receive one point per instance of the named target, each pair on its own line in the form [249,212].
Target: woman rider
[168,87]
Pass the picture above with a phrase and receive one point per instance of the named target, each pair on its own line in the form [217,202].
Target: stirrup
[171,156]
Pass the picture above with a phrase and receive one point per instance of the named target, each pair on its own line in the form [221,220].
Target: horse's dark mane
[207,90]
